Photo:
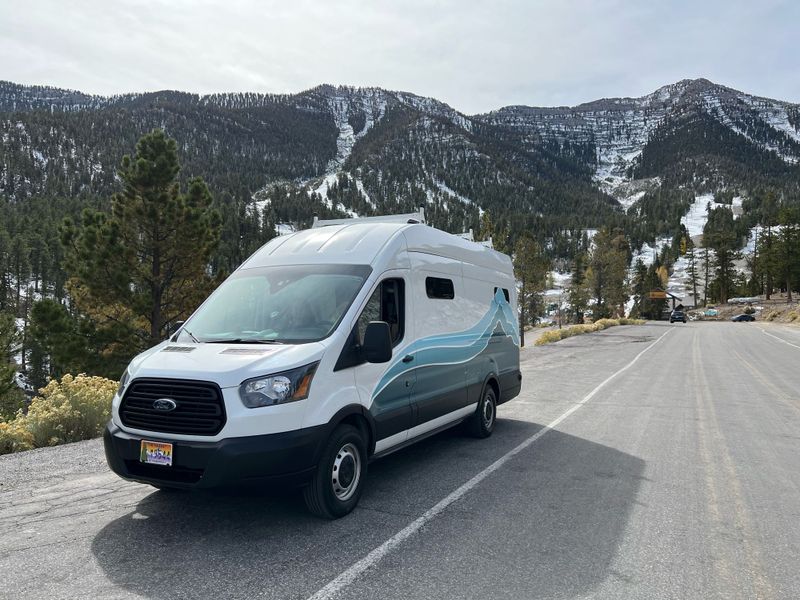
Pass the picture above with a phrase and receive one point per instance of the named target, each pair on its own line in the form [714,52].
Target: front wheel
[481,423]
[339,477]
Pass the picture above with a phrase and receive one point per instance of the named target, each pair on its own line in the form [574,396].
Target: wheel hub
[488,412]
[346,472]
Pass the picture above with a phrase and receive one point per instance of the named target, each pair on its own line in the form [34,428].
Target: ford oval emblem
[165,404]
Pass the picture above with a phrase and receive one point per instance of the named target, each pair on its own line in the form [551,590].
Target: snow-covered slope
[619,128]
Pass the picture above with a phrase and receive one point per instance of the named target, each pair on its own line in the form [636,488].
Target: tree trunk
[157,294]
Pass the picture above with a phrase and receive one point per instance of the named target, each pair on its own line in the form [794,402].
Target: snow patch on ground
[648,254]
[695,220]
[322,189]
[560,282]
[39,158]
[259,206]
[447,190]
[629,201]
[360,188]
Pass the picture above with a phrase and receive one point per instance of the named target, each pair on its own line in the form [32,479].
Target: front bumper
[285,459]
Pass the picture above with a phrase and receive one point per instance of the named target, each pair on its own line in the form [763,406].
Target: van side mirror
[377,346]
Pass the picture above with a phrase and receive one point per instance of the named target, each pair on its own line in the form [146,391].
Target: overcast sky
[476,56]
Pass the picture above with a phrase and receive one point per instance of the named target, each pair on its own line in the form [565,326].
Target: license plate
[156,453]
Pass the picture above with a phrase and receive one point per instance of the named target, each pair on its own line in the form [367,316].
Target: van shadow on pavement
[559,510]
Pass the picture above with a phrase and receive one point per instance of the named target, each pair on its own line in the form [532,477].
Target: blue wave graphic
[452,348]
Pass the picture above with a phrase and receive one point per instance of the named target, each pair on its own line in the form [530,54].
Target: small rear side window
[505,293]
[436,287]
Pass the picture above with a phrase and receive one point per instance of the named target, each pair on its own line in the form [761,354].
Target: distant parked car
[677,315]
[743,318]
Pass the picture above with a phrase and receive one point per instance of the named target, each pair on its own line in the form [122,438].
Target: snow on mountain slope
[345,105]
[355,111]
[694,221]
[619,128]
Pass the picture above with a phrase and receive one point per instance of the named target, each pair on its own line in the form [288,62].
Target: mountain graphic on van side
[460,347]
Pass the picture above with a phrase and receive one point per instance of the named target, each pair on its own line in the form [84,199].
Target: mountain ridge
[29,90]
[339,150]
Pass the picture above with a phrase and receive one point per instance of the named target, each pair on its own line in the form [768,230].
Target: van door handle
[408,358]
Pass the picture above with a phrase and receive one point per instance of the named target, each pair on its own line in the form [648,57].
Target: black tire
[327,495]
[481,423]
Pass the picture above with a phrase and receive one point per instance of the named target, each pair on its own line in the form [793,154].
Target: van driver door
[388,387]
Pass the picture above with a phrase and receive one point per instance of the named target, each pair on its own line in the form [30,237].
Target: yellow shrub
[606,323]
[793,316]
[14,437]
[560,334]
[548,336]
[76,408]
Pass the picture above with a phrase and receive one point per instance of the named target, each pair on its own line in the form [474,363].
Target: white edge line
[780,339]
[373,558]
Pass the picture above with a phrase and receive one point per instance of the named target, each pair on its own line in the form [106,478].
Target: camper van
[326,349]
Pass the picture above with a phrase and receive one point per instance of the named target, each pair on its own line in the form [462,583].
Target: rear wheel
[481,423]
[339,477]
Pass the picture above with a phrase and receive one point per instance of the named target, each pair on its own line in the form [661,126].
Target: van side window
[386,304]
[437,287]
[505,293]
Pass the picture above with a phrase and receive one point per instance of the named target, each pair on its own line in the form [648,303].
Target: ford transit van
[326,349]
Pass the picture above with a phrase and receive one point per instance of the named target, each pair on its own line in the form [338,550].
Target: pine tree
[719,234]
[639,287]
[692,269]
[530,269]
[11,397]
[486,230]
[577,292]
[146,262]
[609,267]
[767,246]
[789,249]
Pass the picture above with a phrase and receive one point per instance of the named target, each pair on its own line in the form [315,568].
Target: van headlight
[279,388]
[123,381]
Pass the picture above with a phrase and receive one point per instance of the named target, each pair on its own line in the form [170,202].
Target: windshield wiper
[244,341]
[191,335]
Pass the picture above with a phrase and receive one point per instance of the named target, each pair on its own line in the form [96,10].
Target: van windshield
[284,304]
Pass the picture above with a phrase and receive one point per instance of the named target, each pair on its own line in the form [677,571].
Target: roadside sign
[658,295]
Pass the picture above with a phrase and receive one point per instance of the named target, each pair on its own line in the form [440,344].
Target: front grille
[199,410]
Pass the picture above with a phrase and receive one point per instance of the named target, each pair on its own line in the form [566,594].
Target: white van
[327,348]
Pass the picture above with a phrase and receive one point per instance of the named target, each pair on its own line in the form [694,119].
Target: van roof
[364,243]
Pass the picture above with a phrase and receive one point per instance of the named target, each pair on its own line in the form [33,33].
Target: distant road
[632,466]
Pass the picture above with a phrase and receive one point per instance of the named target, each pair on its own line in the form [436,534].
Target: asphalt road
[678,478]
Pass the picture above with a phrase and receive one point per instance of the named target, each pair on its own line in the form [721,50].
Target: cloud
[477,56]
